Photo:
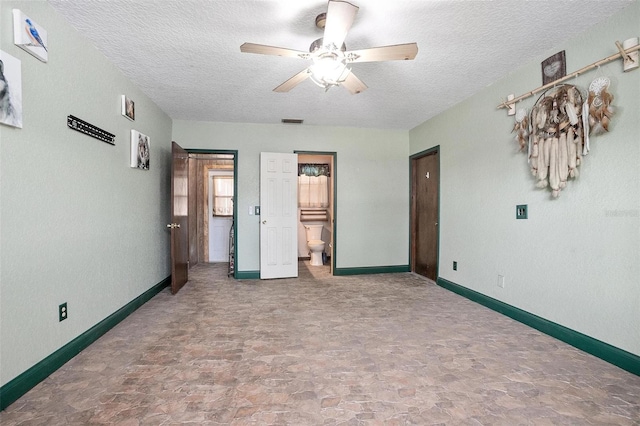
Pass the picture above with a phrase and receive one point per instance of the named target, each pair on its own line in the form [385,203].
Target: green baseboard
[255,275]
[20,385]
[247,275]
[371,270]
[616,356]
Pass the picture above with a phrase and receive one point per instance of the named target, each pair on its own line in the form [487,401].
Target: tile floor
[389,349]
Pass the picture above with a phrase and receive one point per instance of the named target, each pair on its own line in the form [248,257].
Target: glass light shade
[328,70]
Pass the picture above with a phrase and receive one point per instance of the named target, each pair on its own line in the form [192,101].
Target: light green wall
[576,260]
[372,184]
[78,224]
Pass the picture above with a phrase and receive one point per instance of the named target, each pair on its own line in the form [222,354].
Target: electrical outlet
[455,265]
[501,281]
[62,312]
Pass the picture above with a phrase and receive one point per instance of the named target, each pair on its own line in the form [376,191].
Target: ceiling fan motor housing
[317,44]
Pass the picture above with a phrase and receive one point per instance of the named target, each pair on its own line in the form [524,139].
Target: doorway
[220,214]
[425,198]
[203,165]
[320,158]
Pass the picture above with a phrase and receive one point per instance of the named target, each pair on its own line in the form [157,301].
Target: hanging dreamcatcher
[521,128]
[599,103]
[557,135]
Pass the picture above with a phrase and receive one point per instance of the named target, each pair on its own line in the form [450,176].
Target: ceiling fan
[329,53]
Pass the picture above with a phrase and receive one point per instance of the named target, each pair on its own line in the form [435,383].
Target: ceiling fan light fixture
[328,71]
[329,53]
[329,65]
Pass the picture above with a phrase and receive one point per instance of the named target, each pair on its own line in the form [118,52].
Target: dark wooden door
[424,214]
[179,217]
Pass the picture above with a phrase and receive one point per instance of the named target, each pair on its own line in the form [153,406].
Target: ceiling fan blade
[293,81]
[340,16]
[384,53]
[353,84]
[271,50]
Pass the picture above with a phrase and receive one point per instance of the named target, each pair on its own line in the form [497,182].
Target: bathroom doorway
[313,209]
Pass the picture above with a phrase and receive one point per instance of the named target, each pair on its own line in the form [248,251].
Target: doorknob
[436,223]
[264,222]
[173,225]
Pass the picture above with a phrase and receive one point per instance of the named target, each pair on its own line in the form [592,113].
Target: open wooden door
[278,215]
[424,213]
[179,217]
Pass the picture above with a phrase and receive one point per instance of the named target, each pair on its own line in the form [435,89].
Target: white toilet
[315,243]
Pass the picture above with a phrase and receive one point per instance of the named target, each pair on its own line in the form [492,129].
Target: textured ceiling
[185,55]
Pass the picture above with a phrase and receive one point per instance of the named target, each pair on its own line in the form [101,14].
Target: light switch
[250,210]
[521,211]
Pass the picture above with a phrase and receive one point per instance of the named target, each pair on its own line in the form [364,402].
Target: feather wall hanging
[599,104]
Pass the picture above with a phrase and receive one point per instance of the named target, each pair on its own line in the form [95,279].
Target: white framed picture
[10,90]
[128,108]
[30,36]
[140,149]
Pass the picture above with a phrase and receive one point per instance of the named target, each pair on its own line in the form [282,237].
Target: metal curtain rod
[621,54]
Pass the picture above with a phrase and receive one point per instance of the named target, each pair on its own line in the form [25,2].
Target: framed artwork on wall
[553,68]
[30,36]
[10,90]
[140,146]
[128,108]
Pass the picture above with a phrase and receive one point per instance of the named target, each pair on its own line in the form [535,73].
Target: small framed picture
[128,108]
[553,68]
[30,36]
[140,146]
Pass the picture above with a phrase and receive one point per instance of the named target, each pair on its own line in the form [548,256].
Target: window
[222,196]
[313,185]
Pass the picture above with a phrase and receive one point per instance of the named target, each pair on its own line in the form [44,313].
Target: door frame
[233,152]
[412,215]
[334,206]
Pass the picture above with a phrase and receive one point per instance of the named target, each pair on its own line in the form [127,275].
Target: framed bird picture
[30,36]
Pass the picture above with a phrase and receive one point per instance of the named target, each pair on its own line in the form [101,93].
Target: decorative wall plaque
[90,130]
[553,68]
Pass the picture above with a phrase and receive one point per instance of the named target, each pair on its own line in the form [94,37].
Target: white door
[278,215]
[219,222]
